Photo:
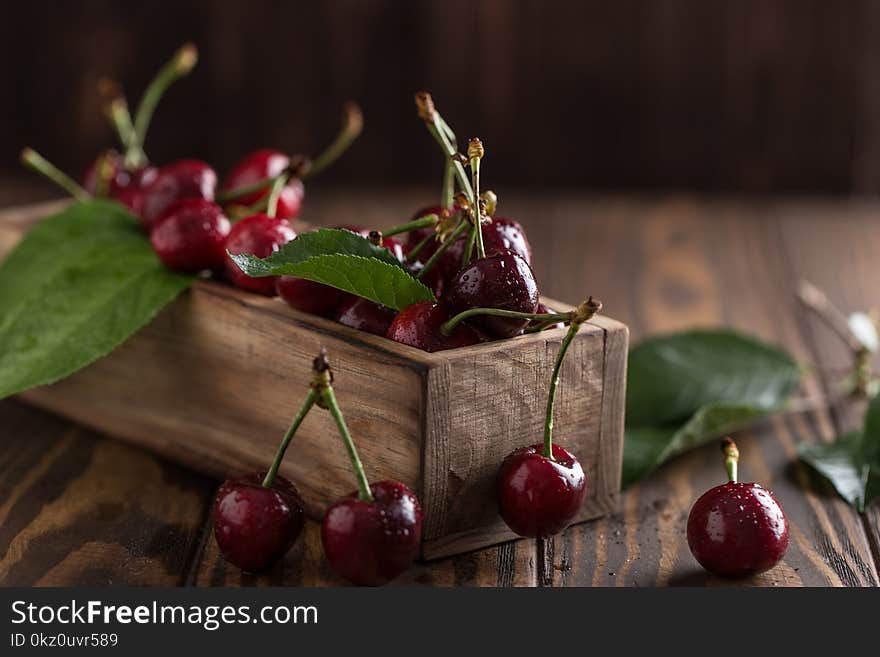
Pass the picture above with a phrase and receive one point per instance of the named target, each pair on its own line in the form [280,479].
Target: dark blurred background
[753,96]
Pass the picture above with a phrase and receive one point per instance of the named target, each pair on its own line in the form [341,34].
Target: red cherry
[256,526]
[309,296]
[503,280]
[124,186]
[260,235]
[364,315]
[537,496]
[191,236]
[371,543]
[259,165]
[737,529]
[175,181]
[418,325]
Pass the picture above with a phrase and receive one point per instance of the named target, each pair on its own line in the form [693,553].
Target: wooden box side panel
[485,402]
[215,379]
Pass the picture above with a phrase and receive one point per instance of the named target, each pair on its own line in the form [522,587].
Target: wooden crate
[213,381]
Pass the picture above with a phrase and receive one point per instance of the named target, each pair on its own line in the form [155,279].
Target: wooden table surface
[78,508]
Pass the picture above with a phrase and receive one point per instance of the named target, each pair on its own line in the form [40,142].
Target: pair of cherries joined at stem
[369,537]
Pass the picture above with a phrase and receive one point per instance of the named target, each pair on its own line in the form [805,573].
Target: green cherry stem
[450,325]
[580,315]
[33,160]
[275,194]
[227,195]
[731,458]
[178,66]
[322,382]
[449,241]
[422,222]
[116,110]
[311,398]
[447,191]
[469,248]
[352,125]
[475,154]
[434,122]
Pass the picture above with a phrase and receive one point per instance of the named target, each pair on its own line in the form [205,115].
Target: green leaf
[369,278]
[327,241]
[671,377]
[75,288]
[852,462]
[646,448]
[686,389]
[343,260]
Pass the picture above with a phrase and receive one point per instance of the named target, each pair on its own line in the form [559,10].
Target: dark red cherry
[537,496]
[364,315]
[737,529]
[502,280]
[256,526]
[175,181]
[259,235]
[371,543]
[418,325]
[124,186]
[309,296]
[507,234]
[191,236]
[259,165]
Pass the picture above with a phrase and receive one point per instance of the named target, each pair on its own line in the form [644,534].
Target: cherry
[260,235]
[309,296]
[419,325]
[191,236]
[539,496]
[175,181]
[374,534]
[369,543]
[258,517]
[502,280]
[364,315]
[541,488]
[504,233]
[255,525]
[260,165]
[737,529]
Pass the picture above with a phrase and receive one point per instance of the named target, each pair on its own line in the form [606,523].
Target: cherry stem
[450,325]
[33,160]
[178,66]
[475,154]
[449,241]
[322,382]
[352,124]
[469,247]
[285,442]
[731,457]
[418,248]
[578,316]
[415,224]
[226,195]
[435,124]
[447,191]
[275,194]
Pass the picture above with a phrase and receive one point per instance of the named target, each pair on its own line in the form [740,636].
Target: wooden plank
[78,509]
[842,257]
[664,266]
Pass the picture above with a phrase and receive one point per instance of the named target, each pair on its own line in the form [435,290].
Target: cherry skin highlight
[256,526]
[259,165]
[260,235]
[191,236]
[737,529]
[537,496]
[371,543]
[364,315]
[173,182]
[418,325]
[503,280]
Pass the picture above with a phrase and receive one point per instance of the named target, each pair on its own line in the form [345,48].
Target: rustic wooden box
[213,381]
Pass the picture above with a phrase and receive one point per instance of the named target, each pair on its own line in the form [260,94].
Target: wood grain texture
[660,264]
[213,380]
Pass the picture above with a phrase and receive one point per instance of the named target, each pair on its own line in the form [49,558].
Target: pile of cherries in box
[479,267]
